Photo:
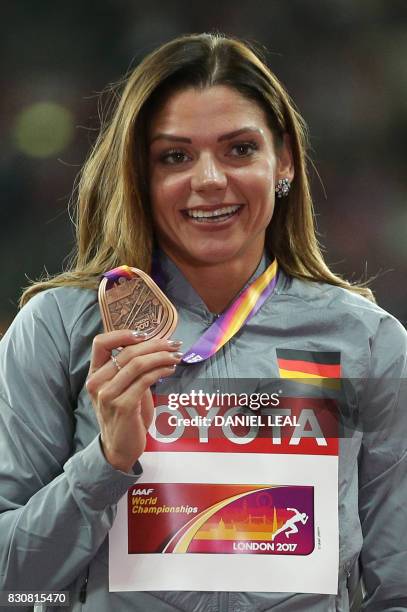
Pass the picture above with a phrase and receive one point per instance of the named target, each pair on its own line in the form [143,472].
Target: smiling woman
[200,179]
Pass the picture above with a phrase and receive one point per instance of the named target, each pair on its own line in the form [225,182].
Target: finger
[103,344]
[109,369]
[134,369]
[127,402]
[147,408]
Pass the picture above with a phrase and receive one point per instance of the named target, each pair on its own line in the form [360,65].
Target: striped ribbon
[232,320]
[121,271]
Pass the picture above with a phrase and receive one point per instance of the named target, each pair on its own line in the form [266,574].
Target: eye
[174,157]
[244,149]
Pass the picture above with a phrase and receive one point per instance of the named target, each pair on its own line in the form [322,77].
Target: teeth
[198,214]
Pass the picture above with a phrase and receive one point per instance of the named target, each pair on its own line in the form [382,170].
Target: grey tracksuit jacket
[58,494]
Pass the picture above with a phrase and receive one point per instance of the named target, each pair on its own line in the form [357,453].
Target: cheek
[167,192]
[258,184]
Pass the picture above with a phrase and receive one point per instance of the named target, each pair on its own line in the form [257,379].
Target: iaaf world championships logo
[221,518]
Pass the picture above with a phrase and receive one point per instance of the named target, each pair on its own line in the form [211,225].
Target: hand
[122,398]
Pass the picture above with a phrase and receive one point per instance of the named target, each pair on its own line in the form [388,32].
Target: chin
[206,252]
[213,255]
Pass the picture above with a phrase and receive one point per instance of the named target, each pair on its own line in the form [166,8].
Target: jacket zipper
[82,592]
[223,602]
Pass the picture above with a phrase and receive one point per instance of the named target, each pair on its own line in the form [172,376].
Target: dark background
[344,62]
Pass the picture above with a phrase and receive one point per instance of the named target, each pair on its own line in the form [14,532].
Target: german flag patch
[321,368]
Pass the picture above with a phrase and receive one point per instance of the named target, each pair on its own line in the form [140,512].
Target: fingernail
[139,334]
[175,342]
[178,355]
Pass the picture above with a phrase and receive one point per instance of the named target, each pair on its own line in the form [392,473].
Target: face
[213,169]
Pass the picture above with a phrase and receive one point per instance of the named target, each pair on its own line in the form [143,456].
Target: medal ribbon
[232,320]
[242,309]
[121,271]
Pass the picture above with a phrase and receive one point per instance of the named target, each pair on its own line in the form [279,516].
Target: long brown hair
[113,220]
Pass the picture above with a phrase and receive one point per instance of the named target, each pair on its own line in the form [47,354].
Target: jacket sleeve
[383,473]
[55,509]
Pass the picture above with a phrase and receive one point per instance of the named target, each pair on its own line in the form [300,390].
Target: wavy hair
[113,219]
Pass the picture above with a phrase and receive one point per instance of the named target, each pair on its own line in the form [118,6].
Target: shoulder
[326,295]
[339,300]
[349,309]
[69,303]
[55,311]
[51,334]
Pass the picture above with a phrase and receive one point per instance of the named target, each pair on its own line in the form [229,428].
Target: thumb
[147,408]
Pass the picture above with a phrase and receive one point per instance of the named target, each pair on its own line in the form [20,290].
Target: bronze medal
[138,304]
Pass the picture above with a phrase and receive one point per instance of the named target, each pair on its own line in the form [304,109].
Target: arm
[383,473]
[55,510]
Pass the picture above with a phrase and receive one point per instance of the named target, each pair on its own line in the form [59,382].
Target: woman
[203,165]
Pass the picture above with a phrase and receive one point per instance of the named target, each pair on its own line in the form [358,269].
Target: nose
[208,174]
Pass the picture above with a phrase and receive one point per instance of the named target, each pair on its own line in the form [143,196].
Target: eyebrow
[228,136]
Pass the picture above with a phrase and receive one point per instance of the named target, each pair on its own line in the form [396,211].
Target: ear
[285,161]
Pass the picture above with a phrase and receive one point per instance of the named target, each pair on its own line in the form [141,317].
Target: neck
[218,284]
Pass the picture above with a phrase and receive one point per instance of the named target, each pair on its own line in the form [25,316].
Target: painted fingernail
[174,342]
[178,355]
[139,334]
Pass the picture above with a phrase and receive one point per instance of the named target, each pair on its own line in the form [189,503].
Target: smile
[212,216]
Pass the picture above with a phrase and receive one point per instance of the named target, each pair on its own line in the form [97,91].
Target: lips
[212,215]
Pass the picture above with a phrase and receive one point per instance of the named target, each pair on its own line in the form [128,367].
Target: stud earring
[282,188]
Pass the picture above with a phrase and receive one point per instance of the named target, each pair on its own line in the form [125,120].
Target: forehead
[213,109]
